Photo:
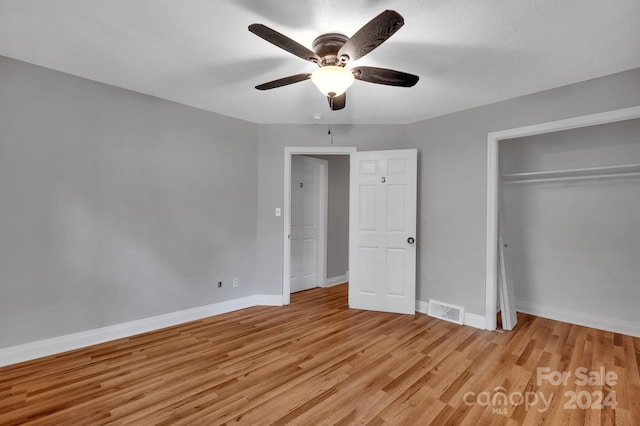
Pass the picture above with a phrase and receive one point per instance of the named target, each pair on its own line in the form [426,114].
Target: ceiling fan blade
[372,35]
[385,76]
[284,81]
[337,102]
[284,42]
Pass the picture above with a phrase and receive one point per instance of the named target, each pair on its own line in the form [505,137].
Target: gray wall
[115,206]
[337,214]
[452,187]
[593,146]
[574,244]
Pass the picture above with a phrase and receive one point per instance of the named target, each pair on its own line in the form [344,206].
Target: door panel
[366,258]
[308,256]
[368,211]
[309,201]
[382,218]
[395,272]
[396,211]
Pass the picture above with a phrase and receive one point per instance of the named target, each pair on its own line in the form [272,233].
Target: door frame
[493,186]
[286,211]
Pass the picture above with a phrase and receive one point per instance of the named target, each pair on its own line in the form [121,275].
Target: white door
[307,248]
[382,231]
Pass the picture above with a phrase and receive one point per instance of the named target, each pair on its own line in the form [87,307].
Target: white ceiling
[200,53]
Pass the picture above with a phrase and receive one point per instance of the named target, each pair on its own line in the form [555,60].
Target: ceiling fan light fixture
[332,80]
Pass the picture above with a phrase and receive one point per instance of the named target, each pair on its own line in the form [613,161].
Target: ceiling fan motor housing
[327,47]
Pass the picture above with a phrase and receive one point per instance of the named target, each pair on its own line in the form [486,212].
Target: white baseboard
[472,320]
[55,345]
[422,306]
[341,279]
[580,318]
[475,321]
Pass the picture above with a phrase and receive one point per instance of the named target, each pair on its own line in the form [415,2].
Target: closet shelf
[624,170]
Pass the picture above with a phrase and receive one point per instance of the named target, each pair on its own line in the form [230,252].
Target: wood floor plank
[316,362]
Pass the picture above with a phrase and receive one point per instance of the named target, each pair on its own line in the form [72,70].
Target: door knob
[411,240]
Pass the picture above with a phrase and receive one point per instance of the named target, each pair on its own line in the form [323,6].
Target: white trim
[286,213]
[475,321]
[471,320]
[340,279]
[323,219]
[422,306]
[580,318]
[55,345]
[493,177]
[491,279]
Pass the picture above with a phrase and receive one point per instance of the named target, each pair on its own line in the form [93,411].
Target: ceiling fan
[331,52]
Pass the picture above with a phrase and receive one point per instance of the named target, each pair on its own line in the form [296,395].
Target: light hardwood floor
[317,362]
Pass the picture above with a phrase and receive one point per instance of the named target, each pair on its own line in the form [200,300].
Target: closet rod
[558,179]
[626,170]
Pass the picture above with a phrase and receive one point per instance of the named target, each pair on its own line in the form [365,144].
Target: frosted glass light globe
[332,80]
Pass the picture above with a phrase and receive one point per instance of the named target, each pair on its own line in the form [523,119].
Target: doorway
[288,153]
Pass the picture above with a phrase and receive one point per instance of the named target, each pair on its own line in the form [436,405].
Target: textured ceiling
[200,53]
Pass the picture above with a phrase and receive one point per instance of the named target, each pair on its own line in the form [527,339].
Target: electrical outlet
[236,282]
[219,284]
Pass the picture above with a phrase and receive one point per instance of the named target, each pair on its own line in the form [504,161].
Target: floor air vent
[446,312]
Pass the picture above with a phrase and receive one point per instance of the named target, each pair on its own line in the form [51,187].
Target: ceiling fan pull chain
[330,119]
